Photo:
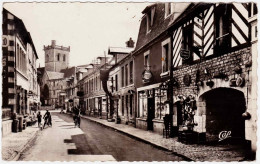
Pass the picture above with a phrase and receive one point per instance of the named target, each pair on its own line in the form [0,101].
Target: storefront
[152,108]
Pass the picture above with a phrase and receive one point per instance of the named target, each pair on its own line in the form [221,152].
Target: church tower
[56,57]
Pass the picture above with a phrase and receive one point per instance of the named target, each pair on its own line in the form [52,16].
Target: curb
[139,139]
[18,153]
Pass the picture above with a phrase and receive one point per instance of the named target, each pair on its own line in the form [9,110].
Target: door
[151,105]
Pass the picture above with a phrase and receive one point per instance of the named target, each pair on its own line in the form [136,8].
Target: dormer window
[149,19]
[168,9]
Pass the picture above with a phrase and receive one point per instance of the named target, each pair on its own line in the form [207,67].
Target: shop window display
[161,108]
[142,105]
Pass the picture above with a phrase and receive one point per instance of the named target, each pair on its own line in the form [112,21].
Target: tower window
[64,57]
[58,57]
[47,58]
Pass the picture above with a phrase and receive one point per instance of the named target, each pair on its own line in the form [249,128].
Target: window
[58,57]
[126,74]
[123,105]
[146,60]
[131,104]
[168,9]
[123,76]
[116,82]
[142,104]
[149,19]
[47,58]
[252,9]
[64,57]
[126,104]
[160,107]
[187,41]
[131,80]
[166,55]
[112,84]
[222,24]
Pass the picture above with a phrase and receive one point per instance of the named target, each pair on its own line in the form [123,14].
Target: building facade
[152,64]
[20,87]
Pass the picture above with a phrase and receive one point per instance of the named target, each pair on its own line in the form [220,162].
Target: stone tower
[56,57]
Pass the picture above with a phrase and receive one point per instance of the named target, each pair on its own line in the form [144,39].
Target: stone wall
[225,64]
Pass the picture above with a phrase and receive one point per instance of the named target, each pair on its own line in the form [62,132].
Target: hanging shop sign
[185,54]
[147,76]
[187,79]
[5,41]
[4,61]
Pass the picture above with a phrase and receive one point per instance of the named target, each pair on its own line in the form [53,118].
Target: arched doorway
[224,108]
[45,94]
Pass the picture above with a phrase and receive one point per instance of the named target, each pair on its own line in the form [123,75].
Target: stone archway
[45,94]
[222,109]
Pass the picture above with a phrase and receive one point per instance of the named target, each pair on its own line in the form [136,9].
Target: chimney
[130,43]
[53,43]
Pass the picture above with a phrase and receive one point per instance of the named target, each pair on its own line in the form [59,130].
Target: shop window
[116,83]
[222,24]
[123,105]
[131,104]
[142,104]
[131,72]
[161,109]
[123,76]
[126,74]
[187,41]
[126,104]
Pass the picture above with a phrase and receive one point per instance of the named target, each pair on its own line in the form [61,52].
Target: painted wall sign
[5,41]
[185,54]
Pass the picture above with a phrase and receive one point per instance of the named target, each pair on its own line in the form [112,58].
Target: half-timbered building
[213,62]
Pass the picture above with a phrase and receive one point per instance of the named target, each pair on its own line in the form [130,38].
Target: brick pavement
[193,152]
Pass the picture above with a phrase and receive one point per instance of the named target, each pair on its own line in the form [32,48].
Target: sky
[88,28]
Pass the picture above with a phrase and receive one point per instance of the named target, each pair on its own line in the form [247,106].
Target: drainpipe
[171,87]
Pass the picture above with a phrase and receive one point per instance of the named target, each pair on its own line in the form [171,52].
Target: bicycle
[77,121]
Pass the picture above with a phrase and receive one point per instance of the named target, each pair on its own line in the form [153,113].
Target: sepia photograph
[129,81]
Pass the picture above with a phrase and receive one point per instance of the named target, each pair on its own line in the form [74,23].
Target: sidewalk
[15,143]
[189,152]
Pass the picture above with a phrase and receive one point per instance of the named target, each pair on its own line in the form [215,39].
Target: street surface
[90,142]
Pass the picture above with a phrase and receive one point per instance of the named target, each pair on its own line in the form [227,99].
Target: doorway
[224,108]
[151,115]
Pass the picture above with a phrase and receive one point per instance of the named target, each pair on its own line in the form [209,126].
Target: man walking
[47,118]
[39,118]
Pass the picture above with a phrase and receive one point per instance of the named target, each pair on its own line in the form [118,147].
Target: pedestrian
[49,121]
[39,118]
[77,116]
[46,118]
